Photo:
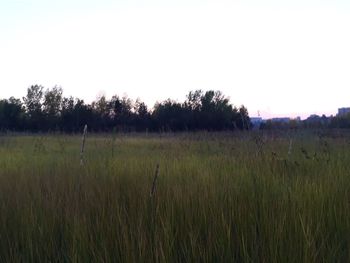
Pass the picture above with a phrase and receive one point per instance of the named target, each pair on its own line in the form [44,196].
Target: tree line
[312,122]
[45,110]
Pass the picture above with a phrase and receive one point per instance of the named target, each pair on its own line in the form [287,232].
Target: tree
[82,114]
[49,110]
[102,113]
[244,122]
[121,112]
[194,100]
[170,116]
[75,114]
[52,101]
[142,118]
[52,106]
[216,111]
[11,114]
[33,105]
[67,120]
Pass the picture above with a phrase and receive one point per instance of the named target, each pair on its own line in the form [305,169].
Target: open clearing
[219,197]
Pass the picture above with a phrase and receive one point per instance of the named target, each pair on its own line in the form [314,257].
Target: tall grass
[216,199]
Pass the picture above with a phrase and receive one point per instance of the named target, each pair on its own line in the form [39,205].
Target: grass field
[219,197]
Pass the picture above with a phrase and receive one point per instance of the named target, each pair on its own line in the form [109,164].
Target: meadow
[218,197]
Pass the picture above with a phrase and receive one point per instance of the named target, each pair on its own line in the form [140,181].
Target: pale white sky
[279,57]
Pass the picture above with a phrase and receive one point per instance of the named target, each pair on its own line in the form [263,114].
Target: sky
[278,58]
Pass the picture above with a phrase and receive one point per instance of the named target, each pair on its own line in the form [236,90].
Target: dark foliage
[48,110]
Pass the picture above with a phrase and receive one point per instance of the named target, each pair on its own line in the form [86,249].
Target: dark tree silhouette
[12,114]
[52,107]
[33,104]
[48,110]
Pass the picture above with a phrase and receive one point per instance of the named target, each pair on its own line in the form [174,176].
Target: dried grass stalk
[83,145]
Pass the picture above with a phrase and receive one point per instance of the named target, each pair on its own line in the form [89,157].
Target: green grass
[219,198]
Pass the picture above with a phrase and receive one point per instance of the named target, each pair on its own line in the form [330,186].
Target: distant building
[343,111]
[281,120]
[256,122]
